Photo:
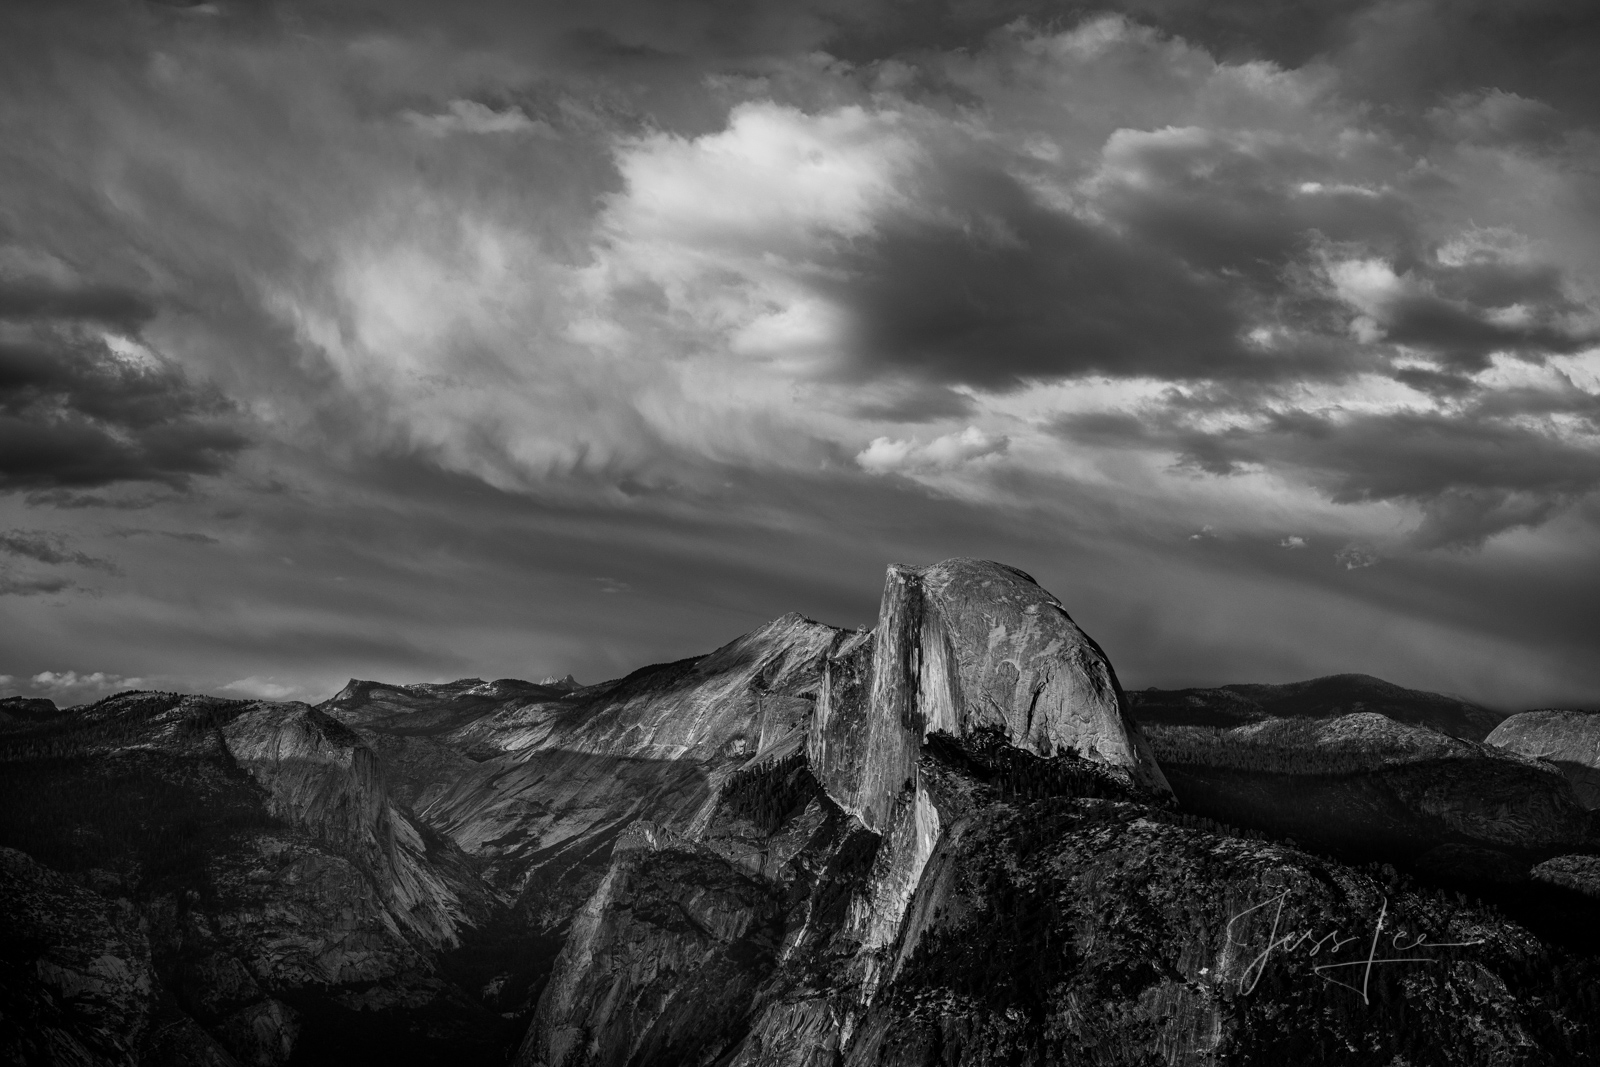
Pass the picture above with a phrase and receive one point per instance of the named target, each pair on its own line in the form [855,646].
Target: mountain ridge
[1323,697]
[943,838]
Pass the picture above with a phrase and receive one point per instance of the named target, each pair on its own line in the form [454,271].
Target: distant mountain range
[1319,698]
[947,839]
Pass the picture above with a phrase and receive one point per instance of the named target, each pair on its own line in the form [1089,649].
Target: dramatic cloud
[72,684]
[83,407]
[47,547]
[397,324]
[1475,471]
[40,299]
[20,585]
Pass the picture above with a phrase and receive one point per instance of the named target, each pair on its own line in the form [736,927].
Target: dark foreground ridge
[946,840]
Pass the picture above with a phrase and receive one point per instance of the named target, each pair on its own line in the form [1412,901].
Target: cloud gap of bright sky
[418,341]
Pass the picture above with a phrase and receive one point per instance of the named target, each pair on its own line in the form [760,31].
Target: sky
[416,341]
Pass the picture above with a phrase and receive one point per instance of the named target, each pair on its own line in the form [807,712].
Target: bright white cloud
[887,455]
[71,682]
[1368,285]
[261,688]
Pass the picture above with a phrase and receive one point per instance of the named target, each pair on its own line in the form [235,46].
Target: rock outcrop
[1569,739]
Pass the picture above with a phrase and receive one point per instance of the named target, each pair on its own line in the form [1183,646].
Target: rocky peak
[961,647]
[568,683]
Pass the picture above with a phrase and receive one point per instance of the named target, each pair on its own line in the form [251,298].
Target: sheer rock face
[961,647]
[1569,739]
[1017,662]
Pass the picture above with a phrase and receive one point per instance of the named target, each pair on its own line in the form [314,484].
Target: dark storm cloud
[1413,51]
[919,402]
[1473,475]
[1247,206]
[1461,314]
[11,585]
[1014,291]
[44,546]
[1463,337]
[72,501]
[73,414]
[103,304]
[1022,292]
[191,536]
[1394,49]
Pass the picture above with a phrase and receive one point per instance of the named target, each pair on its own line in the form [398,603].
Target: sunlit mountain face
[416,341]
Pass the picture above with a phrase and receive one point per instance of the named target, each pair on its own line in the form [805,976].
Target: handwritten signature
[1312,945]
